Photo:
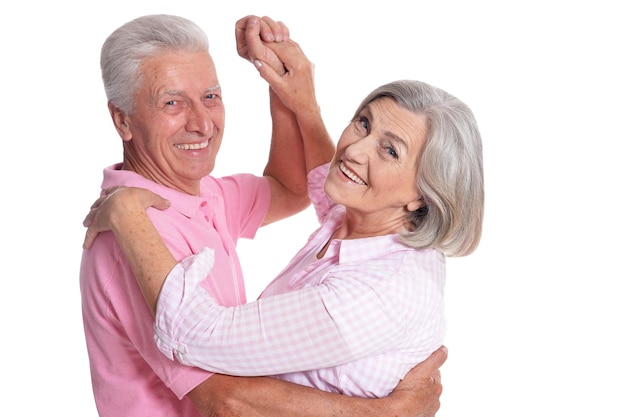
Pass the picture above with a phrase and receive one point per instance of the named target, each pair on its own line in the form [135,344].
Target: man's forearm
[226,396]
[417,395]
[319,147]
[286,159]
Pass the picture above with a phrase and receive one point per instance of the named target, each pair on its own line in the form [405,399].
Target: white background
[536,315]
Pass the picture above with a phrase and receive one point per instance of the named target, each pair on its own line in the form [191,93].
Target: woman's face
[374,170]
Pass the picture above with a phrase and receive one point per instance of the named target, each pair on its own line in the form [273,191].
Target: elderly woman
[362,302]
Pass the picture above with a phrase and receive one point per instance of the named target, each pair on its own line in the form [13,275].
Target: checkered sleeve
[311,328]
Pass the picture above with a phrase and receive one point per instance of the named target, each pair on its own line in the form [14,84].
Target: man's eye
[212,99]
[170,103]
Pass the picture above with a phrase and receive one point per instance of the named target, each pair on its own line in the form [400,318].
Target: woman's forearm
[147,254]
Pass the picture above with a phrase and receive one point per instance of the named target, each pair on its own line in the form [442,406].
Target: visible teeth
[192,146]
[351,174]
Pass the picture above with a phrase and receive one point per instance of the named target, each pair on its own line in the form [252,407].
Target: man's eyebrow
[213,88]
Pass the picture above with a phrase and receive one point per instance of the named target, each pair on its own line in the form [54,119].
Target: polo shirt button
[204,203]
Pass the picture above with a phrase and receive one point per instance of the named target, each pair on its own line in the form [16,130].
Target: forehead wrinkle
[396,138]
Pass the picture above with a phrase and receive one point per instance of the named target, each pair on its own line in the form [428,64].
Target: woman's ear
[121,122]
[415,204]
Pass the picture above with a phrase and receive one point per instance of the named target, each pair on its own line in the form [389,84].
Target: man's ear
[121,122]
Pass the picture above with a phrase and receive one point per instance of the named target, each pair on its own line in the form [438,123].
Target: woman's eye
[391,151]
[364,123]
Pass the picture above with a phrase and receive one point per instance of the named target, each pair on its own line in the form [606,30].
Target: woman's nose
[358,151]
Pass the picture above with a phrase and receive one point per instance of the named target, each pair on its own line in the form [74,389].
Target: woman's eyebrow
[389,134]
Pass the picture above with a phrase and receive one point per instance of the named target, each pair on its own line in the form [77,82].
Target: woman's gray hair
[450,169]
[147,36]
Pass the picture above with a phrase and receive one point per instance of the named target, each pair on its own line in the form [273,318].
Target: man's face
[175,130]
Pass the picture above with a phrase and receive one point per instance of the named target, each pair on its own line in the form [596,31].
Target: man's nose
[199,120]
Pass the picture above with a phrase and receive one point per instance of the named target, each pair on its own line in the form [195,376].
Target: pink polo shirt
[130,376]
[353,322]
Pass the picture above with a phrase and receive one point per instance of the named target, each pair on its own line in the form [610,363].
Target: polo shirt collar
[186,204]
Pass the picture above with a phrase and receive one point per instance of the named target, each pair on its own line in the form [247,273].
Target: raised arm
[285,168]
[296,90]
[294,108]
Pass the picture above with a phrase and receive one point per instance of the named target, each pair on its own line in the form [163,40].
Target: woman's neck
[347,230]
